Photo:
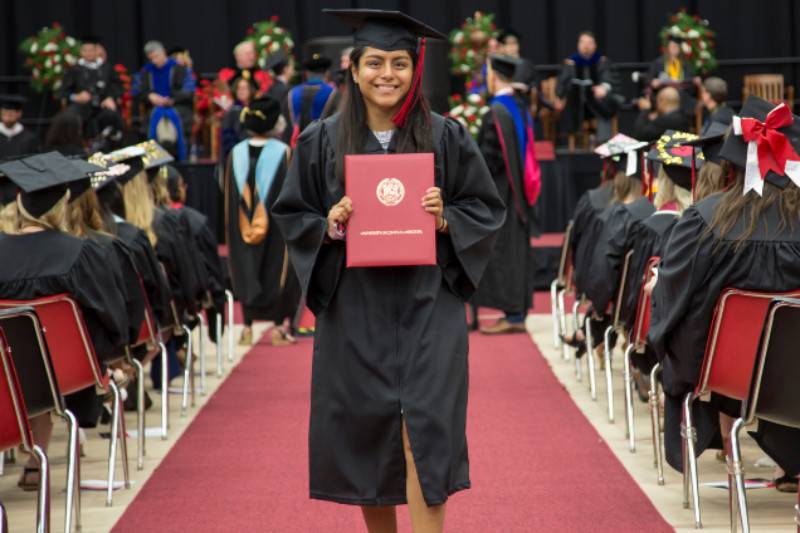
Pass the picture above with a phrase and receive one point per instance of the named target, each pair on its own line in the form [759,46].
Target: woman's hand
[339,214]
[432,203]
[651,283]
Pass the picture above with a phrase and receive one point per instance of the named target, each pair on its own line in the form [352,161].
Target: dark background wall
[627,30]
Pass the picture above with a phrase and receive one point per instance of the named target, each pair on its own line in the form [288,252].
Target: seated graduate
[673,69]
[91,89]
[506,142]
[49,261]
[712,176]
[372,389]
[715,96]
[263,280]
[15,140]
[652,123]
[673,196]
[65,135]
[167,89]
[747,237]
[585,88]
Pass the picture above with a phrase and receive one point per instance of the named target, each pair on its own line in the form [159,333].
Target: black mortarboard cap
[42,179]
[675,156]
[385,30]
[504,65]
[711,141]
[131,156]
[12,101]
[734,148]
[317,62]
[261,115]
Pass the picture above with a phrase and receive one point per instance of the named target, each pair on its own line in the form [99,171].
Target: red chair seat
[733,341]
[74,361]
[641,324]
[14,427]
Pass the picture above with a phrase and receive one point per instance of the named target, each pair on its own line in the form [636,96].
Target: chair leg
[73,474]
[562,320]
[123,443]
[736,470]
[690,460]
[140,424]
[187,371]
[575,327]
[3,516]
[43,495]
[164,392]
[218,327]
[201,351]
[655,422]
[587,324]
[609,377]
[554,314]
[229,298]
[630,431]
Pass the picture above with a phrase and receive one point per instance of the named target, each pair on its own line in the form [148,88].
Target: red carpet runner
[537,464]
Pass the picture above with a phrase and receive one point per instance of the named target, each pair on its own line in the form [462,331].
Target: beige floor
[97,518]
[770,511]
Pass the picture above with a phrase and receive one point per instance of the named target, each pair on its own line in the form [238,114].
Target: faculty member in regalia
[263,280]
[15,140]
[389,374]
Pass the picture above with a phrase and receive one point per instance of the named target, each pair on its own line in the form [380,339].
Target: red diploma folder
[389,226]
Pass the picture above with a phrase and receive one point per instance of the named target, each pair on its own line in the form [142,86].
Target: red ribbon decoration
[416,87]
[774,149]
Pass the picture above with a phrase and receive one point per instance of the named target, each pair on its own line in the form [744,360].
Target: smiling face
[384,78]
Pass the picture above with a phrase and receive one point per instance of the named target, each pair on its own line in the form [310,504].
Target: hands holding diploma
[340,213]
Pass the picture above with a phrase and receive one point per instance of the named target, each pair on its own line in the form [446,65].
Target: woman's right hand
[339,214]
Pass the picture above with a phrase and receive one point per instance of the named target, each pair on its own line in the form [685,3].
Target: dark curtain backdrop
[626,29]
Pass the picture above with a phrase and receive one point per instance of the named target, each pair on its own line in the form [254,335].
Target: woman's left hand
[432,203]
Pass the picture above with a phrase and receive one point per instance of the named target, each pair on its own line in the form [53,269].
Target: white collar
[504,91]
[257,142]
[97,63]
[13,131]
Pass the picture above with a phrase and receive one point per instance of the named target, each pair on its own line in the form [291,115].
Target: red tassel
[694,165]
[416,87]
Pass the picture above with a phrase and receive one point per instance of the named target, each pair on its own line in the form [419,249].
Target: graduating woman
[389,378]
[48,261]
[262,278]
[747,237]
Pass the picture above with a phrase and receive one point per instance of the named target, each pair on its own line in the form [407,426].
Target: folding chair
[727,367]
[34,369]
[773,396]
[15,430]
[77,367]
[558,288]
[637,339]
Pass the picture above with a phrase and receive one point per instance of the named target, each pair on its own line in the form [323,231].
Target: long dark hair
[414,136]
[65,135]
[111,203]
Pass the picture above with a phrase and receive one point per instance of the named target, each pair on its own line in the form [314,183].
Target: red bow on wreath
[767,148]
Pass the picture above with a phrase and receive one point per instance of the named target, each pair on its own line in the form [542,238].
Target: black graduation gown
[506,283]
[23,143]
[390,342]
[263,279]
[206,245]
[590,215]
[693,272]
[51,262]
[173,252]
[102,82]
[131,289]
[609,253]
[148,267]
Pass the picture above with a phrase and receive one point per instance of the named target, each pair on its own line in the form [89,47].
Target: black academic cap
[735,149]
[675,156]
[12,101]
[261,115]
[317,62]
[155,155]
[133,157]
[506,33]
[42,179]
[385,30]
[711,140]
[78,187]
[675,38]
[504,65]
[91,39]
[276,61]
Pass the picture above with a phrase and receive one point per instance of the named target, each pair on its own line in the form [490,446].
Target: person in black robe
[91,89]
[503,140]
[714,96]
[48,261]
[585,88]
[736,239]
[282,68]
[389,373]
[652,123]
[15,140]
[263,280]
